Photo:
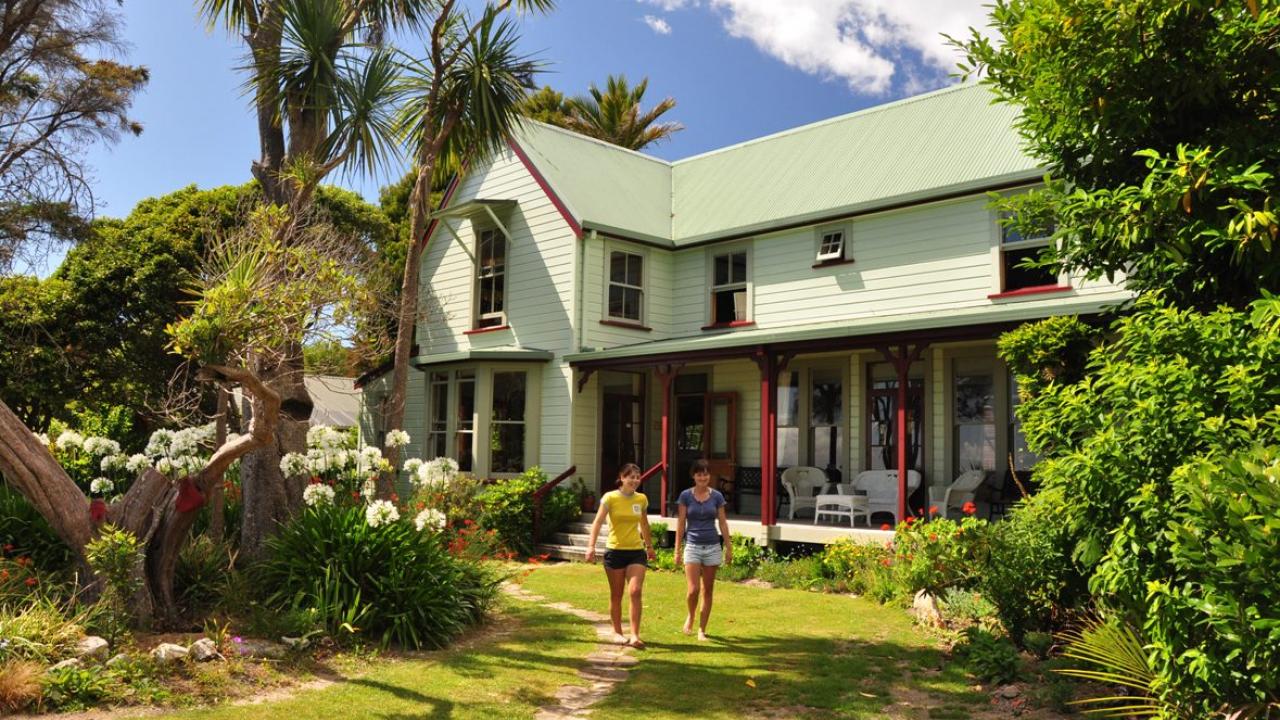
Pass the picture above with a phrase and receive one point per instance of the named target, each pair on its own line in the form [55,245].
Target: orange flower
[4,575]
[933,509]
[886,526]
[969,508]
[31,582]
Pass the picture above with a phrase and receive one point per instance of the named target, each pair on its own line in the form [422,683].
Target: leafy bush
[860,568]
[963,608]
[115,556]
[25,533]
[1038,643]
[507,506]
[747,556]
[75,688]
[992,659]
[203,574]
[658,531]
[801,573]
[394,583]
[940,554]
[1031,577]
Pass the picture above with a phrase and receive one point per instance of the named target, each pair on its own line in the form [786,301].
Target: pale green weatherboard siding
[539,292]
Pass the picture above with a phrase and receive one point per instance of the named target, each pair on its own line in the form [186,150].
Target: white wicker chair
[881,487]
[802,485]
[962,490]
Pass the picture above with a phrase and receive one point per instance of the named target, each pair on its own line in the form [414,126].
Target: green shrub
[203,574]
[664,559]
[658,531]
[991,658]
[25,533]
[962,608]
[115,557]
[804,573]
[507,506]
[940,554]
[1031,577]
[392,583]
[75,688]
[1038,643]
[38,630]
[860,568]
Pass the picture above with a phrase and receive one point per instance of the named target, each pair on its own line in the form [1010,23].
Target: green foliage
[1030,576]
[203,574]
[860,568]
[993,659]
[75,688]
[547,106]
[390,584]
[1112,654]
[1051,350]
[507,506]
[658,532]
[614,115]
[964,608]
[115,556]
[941,553]
[1038,643]
[1162,148]
[800,573]
[25,533]
[39,629]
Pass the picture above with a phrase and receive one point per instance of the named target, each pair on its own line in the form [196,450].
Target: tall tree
[55,101]
[614,115]
[462,102]
[324,91]
[547,106]
[1162,150]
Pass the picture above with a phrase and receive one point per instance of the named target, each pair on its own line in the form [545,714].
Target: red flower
[933,509]
[969,508]
[23,561]
[910,519]
[920,511]
[315,480]
[467,521]
[355,495]
[886,526]
[933,537]
[395,498]
[4,575]
[8,547]
[884,562]
[31,582]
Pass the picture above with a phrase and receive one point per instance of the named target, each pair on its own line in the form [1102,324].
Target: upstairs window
[831,244]
[491,278]
[626,286]
[1015,249]
[729,288]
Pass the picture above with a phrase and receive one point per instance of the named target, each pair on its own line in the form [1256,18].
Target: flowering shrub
[392,582]
[860,568]
[25,533]
[940,553]
[507,507]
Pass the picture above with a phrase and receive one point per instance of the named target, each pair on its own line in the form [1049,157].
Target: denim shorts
[706,555]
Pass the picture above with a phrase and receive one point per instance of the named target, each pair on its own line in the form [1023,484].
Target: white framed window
[491,279]
[626,286]
[437,444]
[507,422]
[832,243]
[1015,249]
[464,430]
[729,287]
[483,417]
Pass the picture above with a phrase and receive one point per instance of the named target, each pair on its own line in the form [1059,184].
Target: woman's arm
[648,541]
[595,531]
[724,533]
[680,521]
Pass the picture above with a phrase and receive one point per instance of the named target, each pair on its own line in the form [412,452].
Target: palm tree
[324,91]
[462,102]
[614,115]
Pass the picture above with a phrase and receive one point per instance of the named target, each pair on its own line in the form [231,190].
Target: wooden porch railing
[660,466]
[540,496]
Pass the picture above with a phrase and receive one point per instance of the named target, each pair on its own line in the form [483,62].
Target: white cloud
[657,25]
[866,43]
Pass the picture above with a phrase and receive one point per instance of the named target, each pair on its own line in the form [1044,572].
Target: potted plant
[587,499]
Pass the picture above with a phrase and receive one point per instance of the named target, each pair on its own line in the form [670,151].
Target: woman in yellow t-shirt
[629,549]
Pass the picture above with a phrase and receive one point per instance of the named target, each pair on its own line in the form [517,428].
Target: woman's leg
[617,582]
[635,590]
[708,593]
[692,572]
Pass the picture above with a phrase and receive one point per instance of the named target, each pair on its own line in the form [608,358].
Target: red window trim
[733,324]
[834,261]
[1034,290]
[477,331]
[627,325]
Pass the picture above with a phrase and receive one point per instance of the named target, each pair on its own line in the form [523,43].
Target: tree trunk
[148,510]
[217,497]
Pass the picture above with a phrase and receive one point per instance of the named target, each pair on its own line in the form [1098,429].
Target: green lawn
[510,670]
[774,653]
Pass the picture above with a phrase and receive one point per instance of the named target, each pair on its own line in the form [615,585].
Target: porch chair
[962,490]
[802,485]
[881,487]
[841,504]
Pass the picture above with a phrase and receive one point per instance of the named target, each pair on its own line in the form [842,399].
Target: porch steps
[571,542]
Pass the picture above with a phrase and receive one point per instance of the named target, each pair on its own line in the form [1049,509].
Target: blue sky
[738,69]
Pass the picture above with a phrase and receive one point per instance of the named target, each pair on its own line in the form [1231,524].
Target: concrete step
[562,552]
[576,540]
[579,528]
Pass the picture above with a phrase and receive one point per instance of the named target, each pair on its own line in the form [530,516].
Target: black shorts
[622,559]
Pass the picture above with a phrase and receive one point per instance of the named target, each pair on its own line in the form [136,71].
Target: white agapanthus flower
[325,437]
[294,464]
[317,495]
[369,490]
[412,464]
[69,440]
[164,466]
[158,443]
[43,438]
[341,459]
[137,463]
[101,446]
[369,460]
[397,438]
[430,518]
[111,463]
[101,486]
[381,512]
[437,474]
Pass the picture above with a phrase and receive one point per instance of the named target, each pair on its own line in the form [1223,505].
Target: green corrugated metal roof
[947,141]
[932,320]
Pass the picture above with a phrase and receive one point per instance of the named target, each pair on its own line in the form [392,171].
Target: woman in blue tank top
[702,508]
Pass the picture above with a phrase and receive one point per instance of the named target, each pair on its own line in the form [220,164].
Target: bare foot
[688,626]
[619,639]
[702,635]
[635,642]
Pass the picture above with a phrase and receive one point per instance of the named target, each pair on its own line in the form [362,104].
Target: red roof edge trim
[546,189]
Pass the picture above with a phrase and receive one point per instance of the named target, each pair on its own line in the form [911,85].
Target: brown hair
[699,466]
[628,469]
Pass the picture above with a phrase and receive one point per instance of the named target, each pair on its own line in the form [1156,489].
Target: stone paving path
[606,666]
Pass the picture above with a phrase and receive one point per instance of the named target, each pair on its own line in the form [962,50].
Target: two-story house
[767,305]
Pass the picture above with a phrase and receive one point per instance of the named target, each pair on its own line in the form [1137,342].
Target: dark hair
[628,469]
[699,466]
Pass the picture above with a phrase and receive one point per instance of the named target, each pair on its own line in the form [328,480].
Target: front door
[622,437]
[706,428]
[882,418]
